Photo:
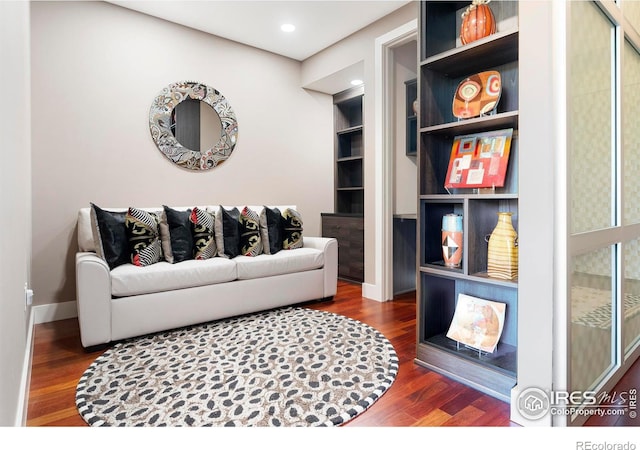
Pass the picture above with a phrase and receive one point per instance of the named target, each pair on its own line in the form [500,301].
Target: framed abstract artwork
[479,160]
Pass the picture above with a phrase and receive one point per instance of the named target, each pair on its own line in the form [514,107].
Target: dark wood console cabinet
[348,229]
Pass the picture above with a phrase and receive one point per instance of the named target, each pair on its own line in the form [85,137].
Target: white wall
[539,227]
[360,46]
[96,69]
[405,175]
[15,203]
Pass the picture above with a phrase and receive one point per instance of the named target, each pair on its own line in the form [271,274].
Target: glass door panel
[631,132]
[590,128]
[603,150]
[631,300]
[592,318]
[631,11]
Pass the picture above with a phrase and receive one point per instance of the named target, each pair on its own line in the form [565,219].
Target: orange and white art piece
[477,323]
[477,95]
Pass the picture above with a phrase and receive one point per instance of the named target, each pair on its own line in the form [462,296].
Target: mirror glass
[193,125]
[196,125]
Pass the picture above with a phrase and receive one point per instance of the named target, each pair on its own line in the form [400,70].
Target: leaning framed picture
[479,160]
[477,323]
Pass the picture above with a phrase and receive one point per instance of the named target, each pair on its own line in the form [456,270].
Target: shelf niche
[434,164]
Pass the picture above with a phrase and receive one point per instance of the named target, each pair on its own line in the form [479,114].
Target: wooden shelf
[497,121]
[357,128]
[351,188]
[442,198]
[349,158]
[494,375]
[438,268]
[502,360]
[487,52]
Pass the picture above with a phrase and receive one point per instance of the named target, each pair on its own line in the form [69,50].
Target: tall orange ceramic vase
[502,255]
[477,22]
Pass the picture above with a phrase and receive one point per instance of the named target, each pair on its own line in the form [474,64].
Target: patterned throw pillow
[176,235]
[271,230]
[292,229]
[202,225]
[144,237]
[227,232]
[250,239]
[110,236]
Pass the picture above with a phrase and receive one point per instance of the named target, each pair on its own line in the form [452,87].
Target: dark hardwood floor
[418,396]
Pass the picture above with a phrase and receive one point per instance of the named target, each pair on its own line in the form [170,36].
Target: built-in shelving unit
[349,152]
[444,64]
[347,223]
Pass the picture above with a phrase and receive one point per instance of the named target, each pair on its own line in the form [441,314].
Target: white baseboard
[55,311]
[38,314]
[372,291]
[25,380]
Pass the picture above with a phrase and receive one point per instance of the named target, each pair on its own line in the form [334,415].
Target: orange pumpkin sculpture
[477,22]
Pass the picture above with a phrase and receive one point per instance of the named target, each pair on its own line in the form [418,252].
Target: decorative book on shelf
[479,160]
[477,323]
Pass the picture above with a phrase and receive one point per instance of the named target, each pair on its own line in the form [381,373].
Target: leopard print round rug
[285,367]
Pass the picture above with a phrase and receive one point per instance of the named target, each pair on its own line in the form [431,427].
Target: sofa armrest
[93,290]
[329,246]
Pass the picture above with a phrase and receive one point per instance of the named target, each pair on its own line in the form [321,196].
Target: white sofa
[131,301]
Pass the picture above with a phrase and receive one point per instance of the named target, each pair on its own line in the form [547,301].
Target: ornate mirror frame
[160,125]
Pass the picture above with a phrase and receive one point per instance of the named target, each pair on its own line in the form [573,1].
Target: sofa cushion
[291,229]
[110,236]
[271,230]
[227,232]
[297,260]
[143,232]
[250,238]
[176,235]
[204,243]
[131,280]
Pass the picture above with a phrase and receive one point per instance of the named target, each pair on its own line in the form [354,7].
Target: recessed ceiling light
[288,28]
[356,82]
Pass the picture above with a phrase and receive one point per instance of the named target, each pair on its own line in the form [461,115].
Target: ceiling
[319,24]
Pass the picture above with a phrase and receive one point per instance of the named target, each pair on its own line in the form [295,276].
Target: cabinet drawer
[342,225]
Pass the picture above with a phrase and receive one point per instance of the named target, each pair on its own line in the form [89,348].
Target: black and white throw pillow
[250,239]
[202,226]
[292,229]
[143,233]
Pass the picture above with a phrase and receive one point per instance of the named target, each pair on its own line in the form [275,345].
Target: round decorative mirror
[193,125]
